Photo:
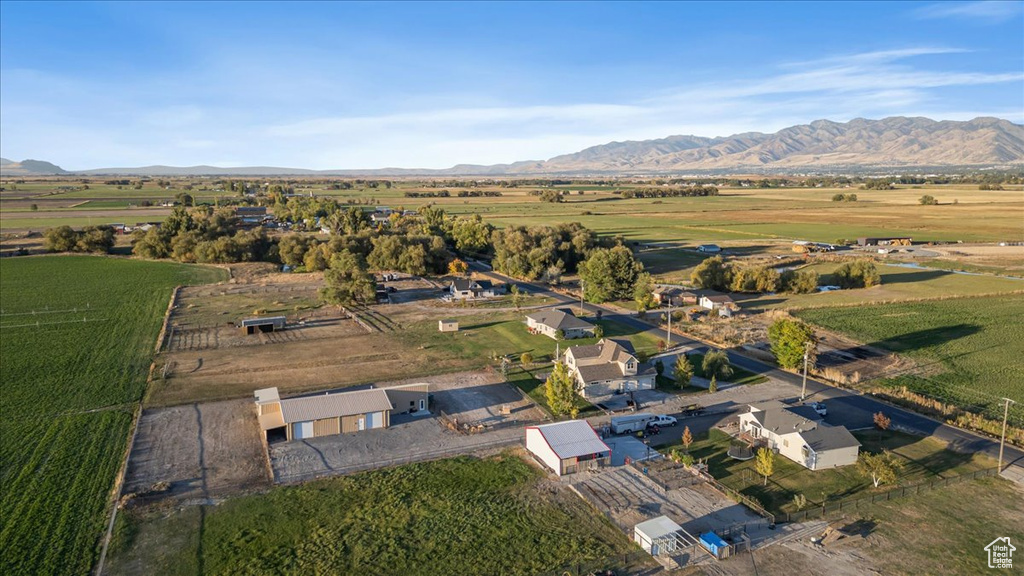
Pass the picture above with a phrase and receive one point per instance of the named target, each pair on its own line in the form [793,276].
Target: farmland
[73,372]
[898,283]
[968,348]
[458,516]
[737,214]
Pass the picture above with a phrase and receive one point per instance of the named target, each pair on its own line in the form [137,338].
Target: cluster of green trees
[202,235]
[611,274]
[716,274]
[348,281]
[98,239]
[991,187]
[878,184]
[861,273]
[685,192]
[431,194]
[844,197]
[542,252]
[928,200]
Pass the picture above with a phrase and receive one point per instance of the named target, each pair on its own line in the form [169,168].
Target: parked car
[819,408]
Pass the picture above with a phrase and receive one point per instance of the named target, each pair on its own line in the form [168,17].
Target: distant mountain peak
[29,168]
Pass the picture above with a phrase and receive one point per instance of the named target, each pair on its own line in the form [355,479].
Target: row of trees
[99,239]
[844,197]
[716,274]
[686,192]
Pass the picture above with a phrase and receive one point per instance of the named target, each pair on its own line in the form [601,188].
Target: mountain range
[897,142]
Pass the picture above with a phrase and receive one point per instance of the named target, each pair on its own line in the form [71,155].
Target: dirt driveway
[198,450]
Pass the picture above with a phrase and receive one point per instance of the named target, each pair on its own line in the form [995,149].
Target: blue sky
[369,85]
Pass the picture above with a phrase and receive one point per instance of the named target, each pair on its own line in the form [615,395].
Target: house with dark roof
[551,322]
[607,367]
[673,296]
[798,433]
[469,289]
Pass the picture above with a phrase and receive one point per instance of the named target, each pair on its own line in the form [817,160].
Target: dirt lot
[199,450]
[630,499]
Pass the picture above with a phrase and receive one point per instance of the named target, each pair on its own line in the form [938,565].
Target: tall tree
[643,292]
[347,281]
[712,273]
[716,364]
[687,438]
[789,339]
[560,391]
[765,464]
[609,274]
[683,371]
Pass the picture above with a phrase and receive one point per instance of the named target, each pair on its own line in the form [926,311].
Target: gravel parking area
[198,450]
[421,439]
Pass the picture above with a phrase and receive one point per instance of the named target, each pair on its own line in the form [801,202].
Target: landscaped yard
[456,516]
[739,375]
[924,458]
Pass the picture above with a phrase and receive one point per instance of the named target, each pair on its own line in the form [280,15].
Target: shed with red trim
[567,447]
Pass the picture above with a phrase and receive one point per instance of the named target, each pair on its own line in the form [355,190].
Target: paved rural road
[844,407]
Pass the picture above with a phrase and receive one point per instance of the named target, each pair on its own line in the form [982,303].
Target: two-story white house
[606,367]
[798,433]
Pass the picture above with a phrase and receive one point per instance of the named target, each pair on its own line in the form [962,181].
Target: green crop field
[457,516]
[898,283]
[76,339]
[969,349]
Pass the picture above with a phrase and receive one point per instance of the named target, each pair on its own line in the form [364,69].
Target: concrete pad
[623,446]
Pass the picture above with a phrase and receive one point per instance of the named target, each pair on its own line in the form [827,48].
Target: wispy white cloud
[438,130]
[986,11]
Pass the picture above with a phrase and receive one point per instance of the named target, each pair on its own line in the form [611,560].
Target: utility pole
[1002,441]
[668,333]
[803,389]
[581,296]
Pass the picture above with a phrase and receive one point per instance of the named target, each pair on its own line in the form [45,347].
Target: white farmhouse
[799,434]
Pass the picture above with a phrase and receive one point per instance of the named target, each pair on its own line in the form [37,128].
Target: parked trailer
[631,423]
[692,410]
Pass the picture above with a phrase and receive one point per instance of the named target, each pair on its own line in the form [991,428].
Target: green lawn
[739,375]
[73,373]
[456,516]
[965,346]
[505,333]
[924,458]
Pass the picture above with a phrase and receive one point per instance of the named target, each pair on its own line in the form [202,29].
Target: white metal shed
[658,535]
